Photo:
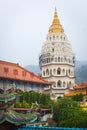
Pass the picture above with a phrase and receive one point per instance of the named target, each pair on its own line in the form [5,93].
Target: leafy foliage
[68,113]
[32,97]
[78,97]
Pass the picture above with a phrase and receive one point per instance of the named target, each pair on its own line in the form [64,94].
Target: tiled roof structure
[16,72]
[78,89]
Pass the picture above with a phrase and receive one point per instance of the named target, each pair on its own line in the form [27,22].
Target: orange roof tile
[16,72]
[74,93]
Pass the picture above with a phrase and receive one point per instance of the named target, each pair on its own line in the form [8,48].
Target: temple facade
[56,59]
[14,76]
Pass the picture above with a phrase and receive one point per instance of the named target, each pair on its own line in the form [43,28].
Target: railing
[47,128]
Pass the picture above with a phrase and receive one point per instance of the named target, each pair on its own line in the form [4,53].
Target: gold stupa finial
[56,26]
[55,9]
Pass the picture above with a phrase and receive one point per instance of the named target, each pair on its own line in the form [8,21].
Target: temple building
[77,89]
[13,75]
[56,59]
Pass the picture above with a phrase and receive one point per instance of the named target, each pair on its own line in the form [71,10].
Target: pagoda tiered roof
[14,71]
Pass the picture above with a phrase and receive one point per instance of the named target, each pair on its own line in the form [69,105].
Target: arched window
[54,71]
[58,71]
[65,59]
[61,37]
[57,36]
[49,59]
[61,59]
[59,83]
[47,72]
[69,60]
[50,38]
[53,37]
[50,71]
[43,73]
[63,71]
[64,84]
[69,83]
[52,59]
[58,59]
[69,71]
[52,49]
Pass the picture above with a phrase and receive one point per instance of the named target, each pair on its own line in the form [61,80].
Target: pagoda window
[69,60]
[43,73]
[52,49]
[69,83]
[50,38]
[54,71]
[53,37]
[65,59]
[69,71]
[61,59]
[59,83]
[50,71]
[51,59]
[64,84]
[47,72]
[58,59]
[48,59]
[57,36]
[61,37]
[58,71]
[63,71]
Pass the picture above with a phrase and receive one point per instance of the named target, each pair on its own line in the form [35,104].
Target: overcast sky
[24,26]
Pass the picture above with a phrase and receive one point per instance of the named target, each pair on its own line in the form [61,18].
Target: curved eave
[31,81]
[74,93]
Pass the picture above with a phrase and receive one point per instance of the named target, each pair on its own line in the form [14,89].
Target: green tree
[68,113]
[25,105]
[78,97]
[17,104]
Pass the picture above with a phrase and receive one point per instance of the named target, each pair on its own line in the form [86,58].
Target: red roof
[16,72]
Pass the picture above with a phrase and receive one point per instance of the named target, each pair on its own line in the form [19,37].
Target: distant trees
[81,74]
[68,113]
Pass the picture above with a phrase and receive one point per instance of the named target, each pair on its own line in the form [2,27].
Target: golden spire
[56,26]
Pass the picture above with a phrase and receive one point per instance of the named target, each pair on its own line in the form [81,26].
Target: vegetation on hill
[81,74]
